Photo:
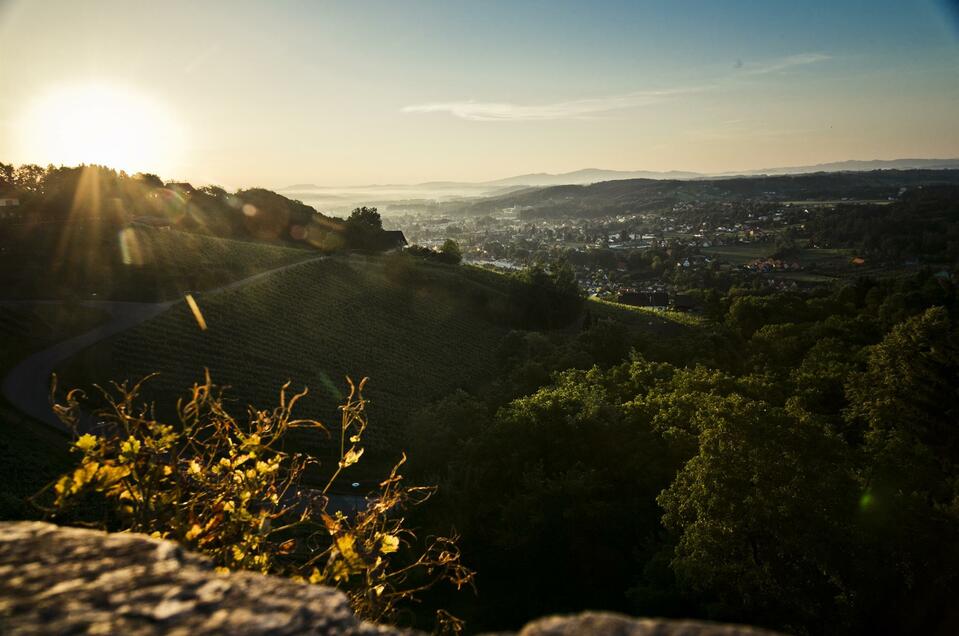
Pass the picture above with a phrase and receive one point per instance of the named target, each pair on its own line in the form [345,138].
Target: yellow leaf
[351,457]
[110,473]
[389,543]
[346,543]
[62,485]
[83,475]
[341,572]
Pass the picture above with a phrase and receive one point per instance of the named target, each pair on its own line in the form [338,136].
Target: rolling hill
[636,195]
[417,334]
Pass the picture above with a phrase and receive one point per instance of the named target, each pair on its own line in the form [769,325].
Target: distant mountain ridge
[858,165]
[596,175]
[591,175]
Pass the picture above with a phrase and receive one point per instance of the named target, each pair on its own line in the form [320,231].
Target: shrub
[223,486]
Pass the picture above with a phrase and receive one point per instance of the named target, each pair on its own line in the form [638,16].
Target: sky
[355,92]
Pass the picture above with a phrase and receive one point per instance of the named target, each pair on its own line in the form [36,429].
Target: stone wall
[57,580]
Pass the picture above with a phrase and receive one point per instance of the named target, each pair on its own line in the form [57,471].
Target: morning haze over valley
[471,317]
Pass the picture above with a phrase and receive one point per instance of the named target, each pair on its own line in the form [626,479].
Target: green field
[740,254]
[417,339]
[645,319]
[830,258]
[819,258]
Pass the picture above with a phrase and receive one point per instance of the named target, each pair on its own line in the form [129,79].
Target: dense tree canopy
[796,467]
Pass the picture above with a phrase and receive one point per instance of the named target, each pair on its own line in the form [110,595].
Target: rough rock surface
[58,580]
[607,624]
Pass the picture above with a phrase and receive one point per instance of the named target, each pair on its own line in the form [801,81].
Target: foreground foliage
[224,486]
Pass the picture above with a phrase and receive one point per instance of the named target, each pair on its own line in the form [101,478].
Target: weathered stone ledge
[58,580]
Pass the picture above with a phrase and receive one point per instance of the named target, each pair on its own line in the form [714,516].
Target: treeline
[793,464]
[98,194]
[922,226]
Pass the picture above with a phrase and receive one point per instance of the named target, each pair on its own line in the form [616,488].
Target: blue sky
[359,92]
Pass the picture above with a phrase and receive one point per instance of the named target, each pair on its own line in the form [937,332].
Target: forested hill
[636,195]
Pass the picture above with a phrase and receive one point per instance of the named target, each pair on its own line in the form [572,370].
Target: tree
[149,179]
[451,252]
[29,177]
[546,298]
[560,489]
[761,515]
[6,174]
[365,218]
[907,403]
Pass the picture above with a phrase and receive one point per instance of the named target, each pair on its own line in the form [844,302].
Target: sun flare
[100,124]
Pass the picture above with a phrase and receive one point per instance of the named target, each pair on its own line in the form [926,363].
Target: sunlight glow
[100,124]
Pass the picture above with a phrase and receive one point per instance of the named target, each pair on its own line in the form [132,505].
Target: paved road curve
[27,385]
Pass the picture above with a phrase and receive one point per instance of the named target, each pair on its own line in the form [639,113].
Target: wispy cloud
[596,106]
[574,109]
[781,64]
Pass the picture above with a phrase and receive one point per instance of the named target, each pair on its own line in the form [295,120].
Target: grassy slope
[416,338]
[73,259]
[31,453]
[652,321]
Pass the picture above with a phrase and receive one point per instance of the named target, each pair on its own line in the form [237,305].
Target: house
[8,200]
[394,239]
[9,205]
[857,260]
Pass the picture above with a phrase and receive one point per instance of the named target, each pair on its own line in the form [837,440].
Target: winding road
[27,385]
